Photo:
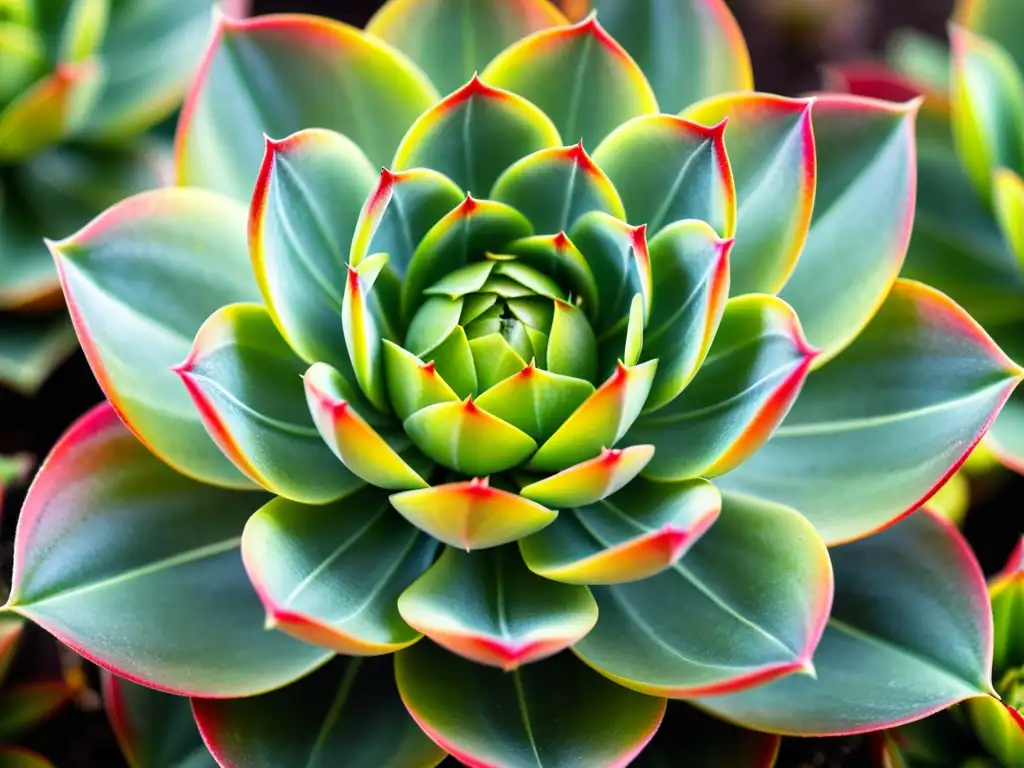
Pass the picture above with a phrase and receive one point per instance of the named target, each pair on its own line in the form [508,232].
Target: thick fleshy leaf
[474,134]
[1000,729]
[556,255]
[997,19]
[308,198]
[246,383]
[909,605]
[687,178]
[639,532]
[876,431]
[490,608]
[988,108]
[689,49]
[412,384]
[580,76]
[365,329]
[554,187]
[771,153]
[111,542]
[454,39]
[1008,200]
[591,480]
[268,76]
[863,213]
[31,348]
[346,714]
[472,515]
[554,712]
[1007,595]
[153,730]
[757,364]
[331,575]
[746,605]
[25,706]
[690,275]
[124,277]
[715,743]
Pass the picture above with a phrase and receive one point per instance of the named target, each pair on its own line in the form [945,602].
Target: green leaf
[11,627]
[490,608]
[572,346]
[111,542]
[591,480]
[28,705]
[1000,729]
[687,178]
[717,743]
[863,213]
[347,714]
[153,730]
[772,156]
[1006,592]
[246,383]
[84,29]
[688,49]
[579,76]
[331,575]
[308,198]
[875,432]
[555,255]
[1008,200]
[757,364]
[909,634]
[690,274]
[554,712]
[24,58]
[124,277]
[452,40]
[268,75]
[19,757]
[474,134]
[365,329]
[535,401]
[472,515]
[996,19]
[640,531]
[747,604]
[32,348]
[412,384]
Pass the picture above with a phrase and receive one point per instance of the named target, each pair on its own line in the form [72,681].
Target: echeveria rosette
[518,395]
[81,81]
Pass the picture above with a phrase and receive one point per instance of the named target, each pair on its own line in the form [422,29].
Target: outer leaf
[637,533]
[111,541]
[772,156]
[687,178]
[454,39]
[689,49]
[862,217]
[32,348]
[909,604]
[347,714]
[154,730]
[745,606]
[717,743]
[307,200]
[268,75]
[489,608]
[876,432]
[550,713]
[756,367]
[330,575]
[474,134]
[580,76]
[246,384]
[124,276]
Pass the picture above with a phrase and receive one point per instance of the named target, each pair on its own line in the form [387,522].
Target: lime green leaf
[365,330]
[454,39]
[19,757]
[1008,199]
[996,19]
[689,49]
[24,58]
[111,541]
[556,255]
[591,480]
[268,75]
[347,714]
[124,277]
[453,361]
[25,706]
[771,152]
[84,29]
[331,575]
[876,431]
[490,608]
[494,359]
[472,515]
[308,197]
[32,348]
[1006,592]
[474,134]
[246,384]
[863,214]
[718,744]
[747,604]
[554,712]
[1000,729]
[572,347]
[687,178]
[580,76]
[909,605]
[640,531]
[152,728]
[412,384]
[758,362]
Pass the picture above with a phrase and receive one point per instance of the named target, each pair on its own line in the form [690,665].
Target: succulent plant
[576,406]
[80,82]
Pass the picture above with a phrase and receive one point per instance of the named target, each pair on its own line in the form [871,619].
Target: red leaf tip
[560,241]
[640,238]
[429,368]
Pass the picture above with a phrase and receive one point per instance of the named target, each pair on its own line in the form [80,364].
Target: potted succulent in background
[602,392]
